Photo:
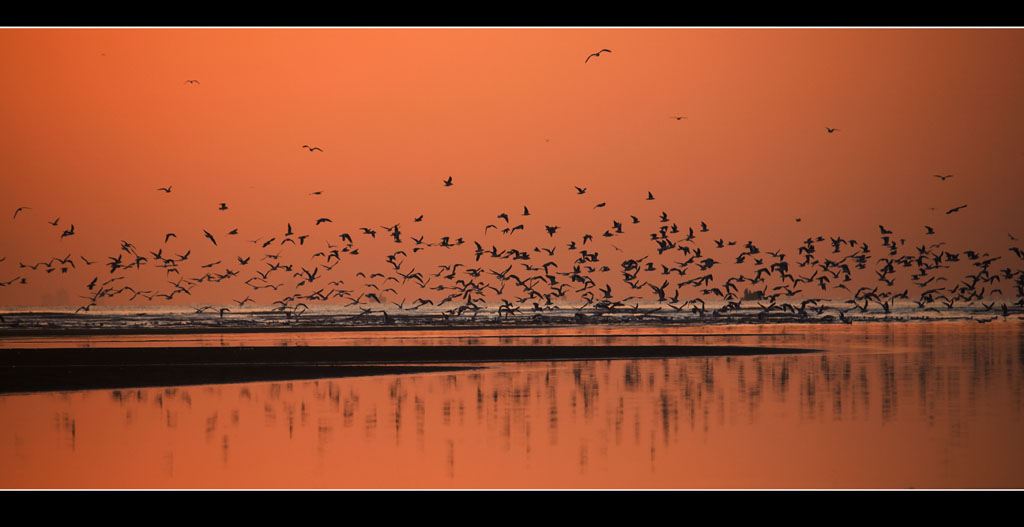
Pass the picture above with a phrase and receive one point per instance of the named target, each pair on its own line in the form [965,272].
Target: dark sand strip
[23,370]
[69,378]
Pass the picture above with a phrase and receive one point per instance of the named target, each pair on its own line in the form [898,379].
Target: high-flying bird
[581,190]
[598,54]
[951,211]
[191,81]
[323,220]
[447,182]
[223,206]
[943,177]
[600,205]
[317,193]
[166,189]
[420,218]
[650,196]
[233,232]
[19,210]
[526,211]
[551,230]
[54,222]
[930,230]
[168,236]
[68,232]
[677,117]
[210,236]
[312,148]
[830,130]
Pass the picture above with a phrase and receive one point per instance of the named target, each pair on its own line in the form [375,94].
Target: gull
[312,148]
[951,211]
[581,190]
[19,210]
[210,236]
[166,189]
[598,54]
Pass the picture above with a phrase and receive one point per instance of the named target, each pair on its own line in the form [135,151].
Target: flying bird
[951,211]
[312,148]
[943,178]
[210,236]
[19,210]
[650,196]
[323,220]
[598,54]
[447,182]
[830,130]
[191,81]
[223,206]
[677,117]
[166,189]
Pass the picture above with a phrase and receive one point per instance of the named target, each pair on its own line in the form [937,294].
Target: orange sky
[94,120]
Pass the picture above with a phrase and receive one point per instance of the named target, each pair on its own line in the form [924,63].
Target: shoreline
[24,370]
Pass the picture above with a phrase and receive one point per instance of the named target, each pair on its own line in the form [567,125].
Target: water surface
[925,405]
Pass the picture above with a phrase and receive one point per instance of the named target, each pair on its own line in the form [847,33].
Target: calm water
[886,405]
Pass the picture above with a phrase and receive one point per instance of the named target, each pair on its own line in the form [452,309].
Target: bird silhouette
[210,236]
[831,130]
[447,182]
[951,211]
[166,189]
[943,178]
[19,210]
[312,148]
[223,206]
[597,54]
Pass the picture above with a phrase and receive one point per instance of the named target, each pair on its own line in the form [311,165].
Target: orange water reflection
[887,406]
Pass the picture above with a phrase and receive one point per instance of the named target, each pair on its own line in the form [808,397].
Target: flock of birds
[687,269]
